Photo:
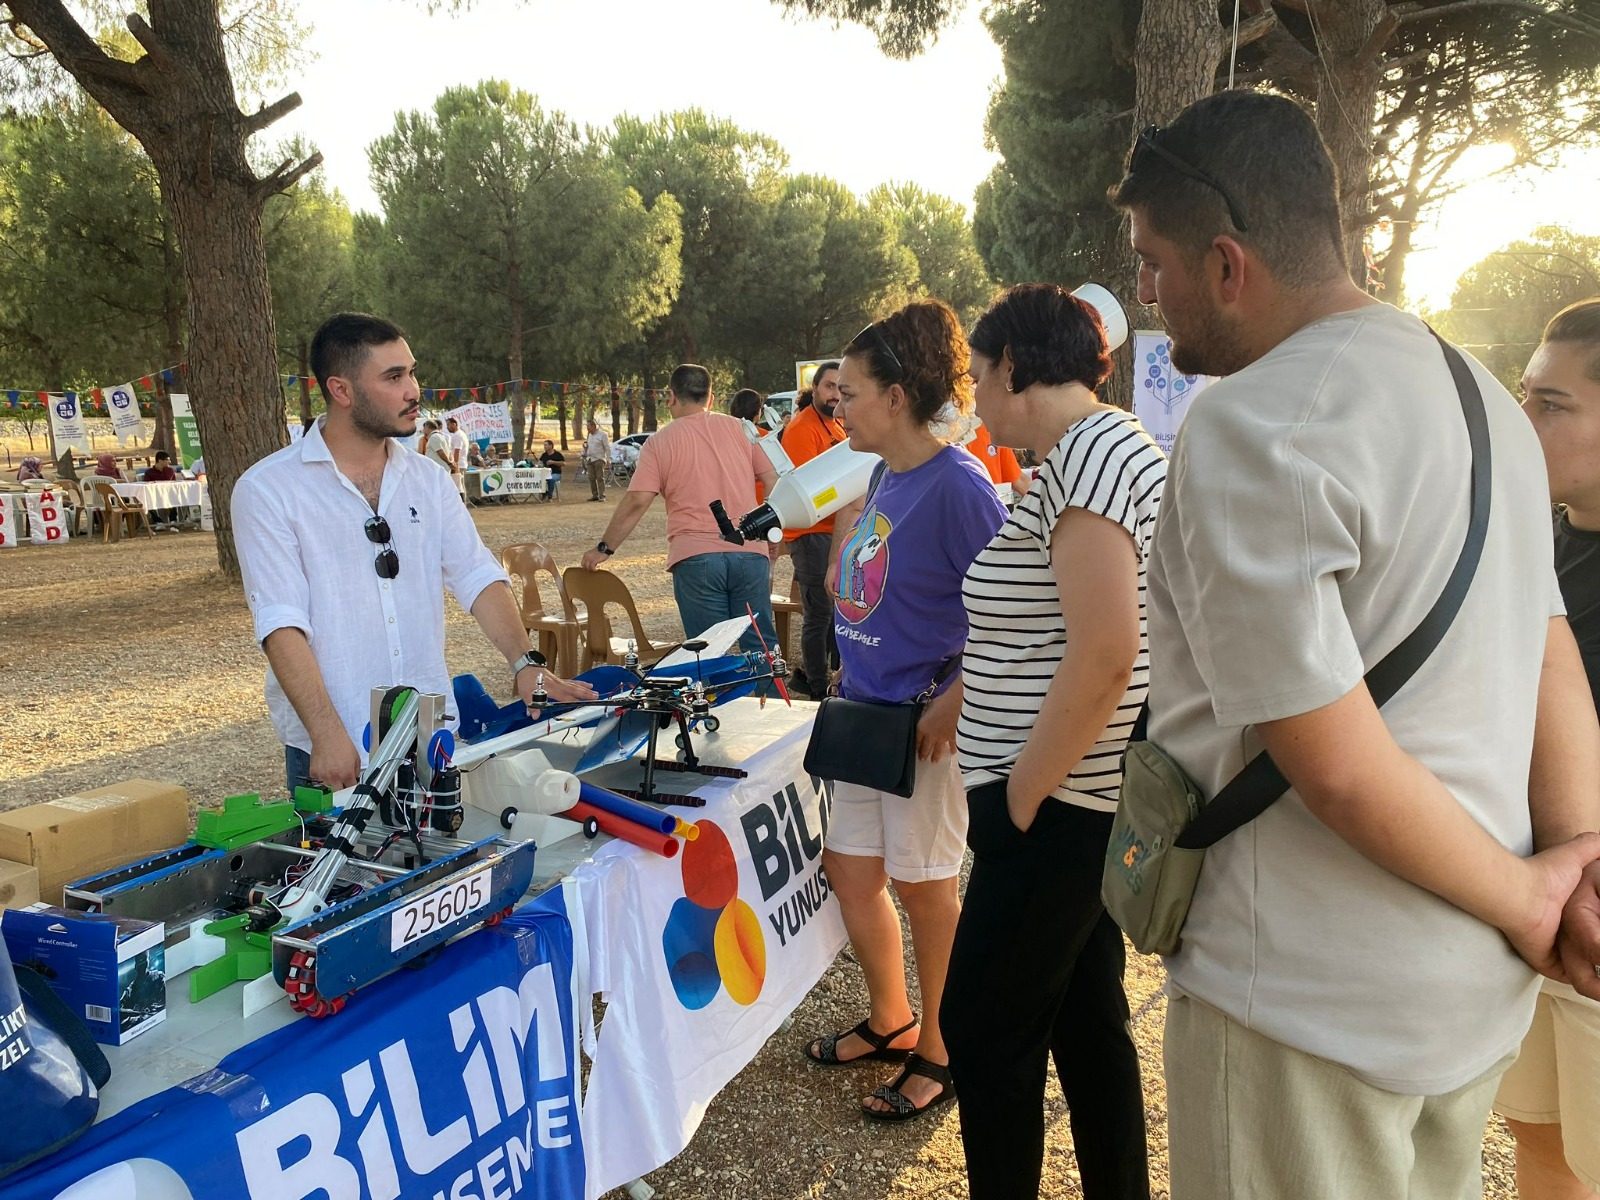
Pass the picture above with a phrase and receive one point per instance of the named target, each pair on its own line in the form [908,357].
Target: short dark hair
[746,404]
[341,343]
[1053,337]
[1266,153]
[1579,324]
[162,455]
[925,337]
[690,382]
[448,419]
[822,369]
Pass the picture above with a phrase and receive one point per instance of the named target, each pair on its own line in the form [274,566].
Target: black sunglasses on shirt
[1148,143]
[387,564]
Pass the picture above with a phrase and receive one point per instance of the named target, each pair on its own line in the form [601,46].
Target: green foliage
[936,230]
[904,28]
[1059,123]
[310,260]
[510,244]
[1500,305]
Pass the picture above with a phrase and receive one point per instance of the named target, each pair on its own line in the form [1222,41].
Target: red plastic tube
[618,827]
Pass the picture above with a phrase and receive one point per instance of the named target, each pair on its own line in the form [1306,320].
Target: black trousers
[818,644]
[1036,973]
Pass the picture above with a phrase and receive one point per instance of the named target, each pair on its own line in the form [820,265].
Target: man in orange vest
[811,431]
[999,461]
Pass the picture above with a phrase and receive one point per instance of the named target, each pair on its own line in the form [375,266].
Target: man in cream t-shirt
[1355,970]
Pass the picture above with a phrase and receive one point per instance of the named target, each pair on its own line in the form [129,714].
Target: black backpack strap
[1259,785]
[53,1011]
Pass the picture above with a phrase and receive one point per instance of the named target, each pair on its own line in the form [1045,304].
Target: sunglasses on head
[1148,143]
[387,564]
[874,338]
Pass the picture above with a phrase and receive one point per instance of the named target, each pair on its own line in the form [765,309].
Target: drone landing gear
[691,764]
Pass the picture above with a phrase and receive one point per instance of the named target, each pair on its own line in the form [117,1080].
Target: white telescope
[817,489]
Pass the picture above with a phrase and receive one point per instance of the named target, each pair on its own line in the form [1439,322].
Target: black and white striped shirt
[1107,464]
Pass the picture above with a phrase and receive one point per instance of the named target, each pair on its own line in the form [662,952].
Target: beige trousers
[1252,1119]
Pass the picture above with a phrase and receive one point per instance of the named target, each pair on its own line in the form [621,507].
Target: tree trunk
[561,418]
[178,101]
[650,410]
[1176,54]
[633,413]
[1352,35]
[166,437]
[304,360]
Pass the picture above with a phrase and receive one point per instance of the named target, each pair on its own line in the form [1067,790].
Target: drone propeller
[770,655]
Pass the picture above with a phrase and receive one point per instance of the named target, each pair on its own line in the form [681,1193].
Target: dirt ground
[136,659]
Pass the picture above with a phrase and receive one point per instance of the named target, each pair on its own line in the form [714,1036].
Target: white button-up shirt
[299,525]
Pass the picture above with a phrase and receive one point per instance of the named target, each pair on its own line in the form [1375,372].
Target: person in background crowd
[346,544]
[999,461]
[701,456]
[65,468]
[105,467]
[746,405]
[813,429]
[162,472]
[436,446]
[1054,672]
[1550,1097]
[458,454]
[475,459]
[597,459]
[554,460]
[901,553]
[429,428]
[1357,966]
[30,468]
[803,401]
[198,467]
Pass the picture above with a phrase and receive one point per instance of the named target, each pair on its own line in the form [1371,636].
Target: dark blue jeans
[713,587]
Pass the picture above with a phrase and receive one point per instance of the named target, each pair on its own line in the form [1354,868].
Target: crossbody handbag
[1164,826]
[867,743]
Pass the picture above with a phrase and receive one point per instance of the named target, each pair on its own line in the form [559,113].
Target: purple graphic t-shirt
[898,610]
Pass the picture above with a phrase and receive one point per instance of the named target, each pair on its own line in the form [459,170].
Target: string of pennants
[94,399]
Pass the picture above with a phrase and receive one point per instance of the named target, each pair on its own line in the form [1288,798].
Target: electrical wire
[1233,59]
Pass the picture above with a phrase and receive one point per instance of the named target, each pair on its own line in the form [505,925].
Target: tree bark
[304,360]
[1352,35]
[178,101]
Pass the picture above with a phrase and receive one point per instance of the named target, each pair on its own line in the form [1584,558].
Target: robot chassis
[388,886]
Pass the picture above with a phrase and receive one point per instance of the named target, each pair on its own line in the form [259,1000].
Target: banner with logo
[8,519]
[66,423]
[713,948]
[1161,392]
[47,517]
[484,422]
[123,406]
[456,1081]
[506,481]
[184,428]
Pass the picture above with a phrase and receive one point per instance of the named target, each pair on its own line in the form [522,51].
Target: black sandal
[901,1109]
[827,1052]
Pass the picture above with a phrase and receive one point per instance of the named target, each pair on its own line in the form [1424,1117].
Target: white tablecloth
[179,493]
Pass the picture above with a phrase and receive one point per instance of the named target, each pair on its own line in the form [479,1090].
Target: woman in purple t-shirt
[898,560]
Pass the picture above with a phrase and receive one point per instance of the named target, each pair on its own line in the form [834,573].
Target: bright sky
[826,95]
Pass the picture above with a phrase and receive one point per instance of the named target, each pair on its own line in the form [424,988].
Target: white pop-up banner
[47,518]
[8,520]
[123,406]
[66,423]
[484,422]
[1161,392]
[712,949]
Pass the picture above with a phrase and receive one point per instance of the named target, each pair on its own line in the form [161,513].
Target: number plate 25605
[444,904]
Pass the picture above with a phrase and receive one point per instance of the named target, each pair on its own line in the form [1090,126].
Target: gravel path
[136,659]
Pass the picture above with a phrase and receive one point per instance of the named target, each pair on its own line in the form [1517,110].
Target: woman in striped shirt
[1055,671]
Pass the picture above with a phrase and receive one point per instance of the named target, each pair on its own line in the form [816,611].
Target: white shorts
[1557,1077]
[920,838]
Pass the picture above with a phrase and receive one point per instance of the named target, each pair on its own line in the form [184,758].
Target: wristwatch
[604,549]
[531,659]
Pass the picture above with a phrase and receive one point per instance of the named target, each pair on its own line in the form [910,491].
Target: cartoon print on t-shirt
[864,567]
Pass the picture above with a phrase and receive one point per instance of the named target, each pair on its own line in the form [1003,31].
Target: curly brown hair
[926,341]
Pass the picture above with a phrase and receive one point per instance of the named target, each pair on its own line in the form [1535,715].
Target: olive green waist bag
[1164,825]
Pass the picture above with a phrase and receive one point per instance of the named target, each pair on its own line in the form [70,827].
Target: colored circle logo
[713,939]
[491,482]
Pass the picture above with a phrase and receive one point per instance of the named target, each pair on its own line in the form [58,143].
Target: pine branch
[287,175]
[271,113]
[105,78]
[1412,13]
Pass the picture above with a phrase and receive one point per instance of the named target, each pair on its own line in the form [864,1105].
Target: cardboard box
[19,884]
[111,971]
[94,831]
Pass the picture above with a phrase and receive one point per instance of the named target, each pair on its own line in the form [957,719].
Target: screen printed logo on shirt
[864,567]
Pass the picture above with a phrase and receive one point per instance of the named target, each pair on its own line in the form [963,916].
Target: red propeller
[782,688]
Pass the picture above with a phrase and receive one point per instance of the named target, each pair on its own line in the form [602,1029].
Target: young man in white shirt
[596,459]
[458,453]
[1358,964]
[347,542]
